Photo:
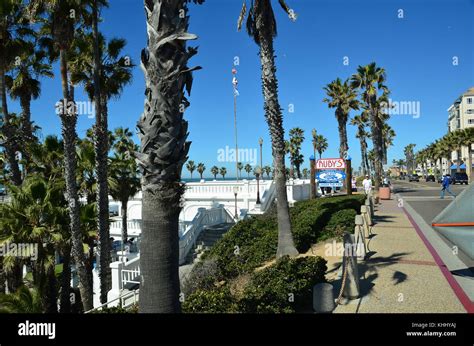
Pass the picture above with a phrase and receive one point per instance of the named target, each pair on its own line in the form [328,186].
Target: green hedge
[284,287]
[218,300]
[341,221]
[252,242]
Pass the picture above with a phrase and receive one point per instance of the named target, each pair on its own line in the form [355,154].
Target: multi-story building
[461,116]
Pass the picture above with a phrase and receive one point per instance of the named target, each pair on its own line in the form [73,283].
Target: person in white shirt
[367,184]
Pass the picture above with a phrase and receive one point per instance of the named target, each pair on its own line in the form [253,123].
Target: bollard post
[323,298]
[364,213]
[351,287]
[366,209]
[370,206]
[360,237]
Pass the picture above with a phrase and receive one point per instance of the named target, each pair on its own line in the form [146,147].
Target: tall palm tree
[370,79]
[320,144]
[296,140]
[13,27]
[388,134]
[458,140]
[215,171]
[60,27]
[114,73]
[343,98]
[25,86]
[164,148]
[191,167]
[124,183]
[409,157]
[469,142]
[261,26]
[223,172]
[360,121]
[200,169]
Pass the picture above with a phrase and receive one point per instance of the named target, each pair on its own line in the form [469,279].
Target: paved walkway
[400,274]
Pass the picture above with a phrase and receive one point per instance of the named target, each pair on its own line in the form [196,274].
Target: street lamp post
[260,141]
[236,191]
[258,171]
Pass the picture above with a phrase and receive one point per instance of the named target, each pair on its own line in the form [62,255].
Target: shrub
[133,309]
[217,300]
[202,276]
[245,247]
[284,287]
[252,242]
[341,221]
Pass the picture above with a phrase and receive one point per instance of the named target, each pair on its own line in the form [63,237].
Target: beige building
[461,116]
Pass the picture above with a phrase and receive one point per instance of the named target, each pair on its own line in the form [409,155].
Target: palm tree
[191,167]
[25,86]
[410,157]
[370,79]
[267,170]
[248,169]
[60,26]
[361,122]
[296,139]
[458,140]
[23,301]
[124,183]
[223,172]
[343,98]
[469,142]
[93,57]
[215,171]
[164,148]
[200,169]
[261,26]
[13,27]
[388,135]
[240,166]
[320,144]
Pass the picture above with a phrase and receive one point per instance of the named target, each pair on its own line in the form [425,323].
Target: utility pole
[236,93]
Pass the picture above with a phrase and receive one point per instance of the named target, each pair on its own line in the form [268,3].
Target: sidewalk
[400,275]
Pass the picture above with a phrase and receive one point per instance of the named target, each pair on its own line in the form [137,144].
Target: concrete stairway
[208,237]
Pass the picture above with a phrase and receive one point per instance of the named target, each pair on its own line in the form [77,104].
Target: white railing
[131,225]
[123,300]
[204,217]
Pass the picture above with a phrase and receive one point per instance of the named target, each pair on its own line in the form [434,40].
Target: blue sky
[417,52]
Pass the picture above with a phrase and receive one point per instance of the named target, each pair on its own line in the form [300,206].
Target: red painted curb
[457,289]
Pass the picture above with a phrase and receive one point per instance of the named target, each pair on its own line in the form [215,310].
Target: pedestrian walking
[367,184]
[445,186]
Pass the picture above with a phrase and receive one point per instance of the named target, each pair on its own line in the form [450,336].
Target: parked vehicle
[459,178]
[430,178]
[414,177]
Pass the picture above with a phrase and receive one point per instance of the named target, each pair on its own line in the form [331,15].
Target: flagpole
[234,71]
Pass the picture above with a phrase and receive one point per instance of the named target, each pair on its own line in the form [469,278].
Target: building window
[470,111]
[469,100]
[470,121]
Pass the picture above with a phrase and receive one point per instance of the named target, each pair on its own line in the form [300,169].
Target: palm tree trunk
[124,221]
[363,155]
[163,133]
[25,103]
[343,147]
[101,149]
[10,143]
[65,300]
[15,275]
[376,130]
[458,154]
[275,123]
[50,292]
[68,130]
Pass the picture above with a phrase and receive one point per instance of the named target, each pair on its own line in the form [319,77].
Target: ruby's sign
[330,164]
